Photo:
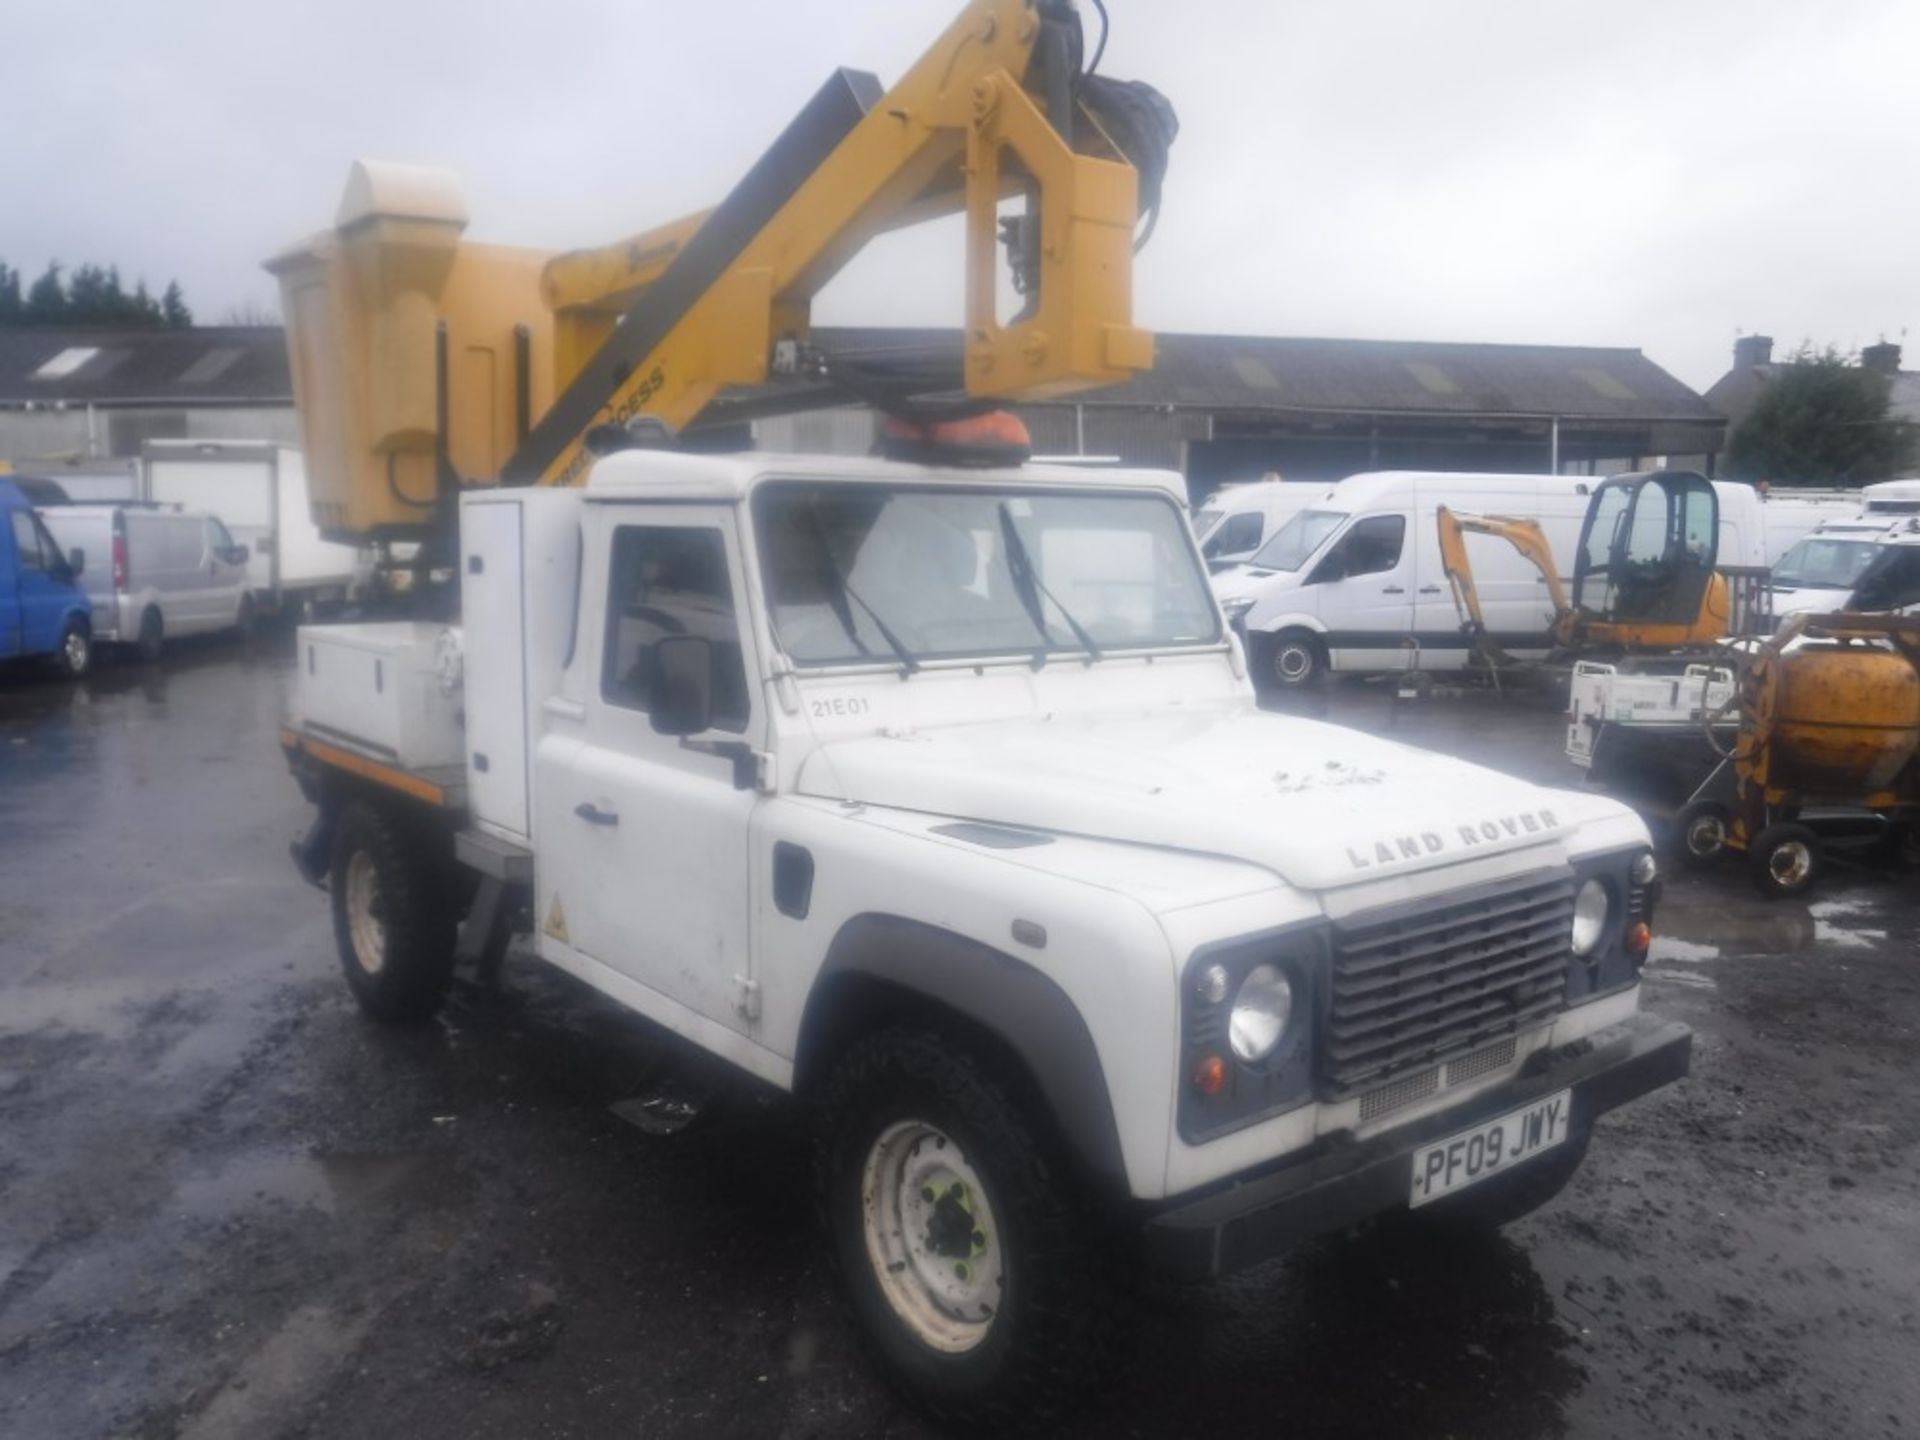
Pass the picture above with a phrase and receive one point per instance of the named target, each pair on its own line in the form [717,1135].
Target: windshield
[1824,564]
[858,573]
[1294,545]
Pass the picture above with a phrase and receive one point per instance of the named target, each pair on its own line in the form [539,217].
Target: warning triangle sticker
[557,921]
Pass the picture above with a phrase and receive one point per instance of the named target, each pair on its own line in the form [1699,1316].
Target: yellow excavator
[424,363]
[1645,574]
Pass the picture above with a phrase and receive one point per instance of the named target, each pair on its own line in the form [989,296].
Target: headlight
[1238,607]
[1260,1013]
[1645,869]
[1590,908]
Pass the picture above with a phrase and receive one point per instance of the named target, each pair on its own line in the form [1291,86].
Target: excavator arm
[424,363]
[1527,537]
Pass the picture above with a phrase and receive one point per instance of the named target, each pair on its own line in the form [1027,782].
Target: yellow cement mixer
[1829,717]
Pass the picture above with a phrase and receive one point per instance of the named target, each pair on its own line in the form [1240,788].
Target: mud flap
[313,852]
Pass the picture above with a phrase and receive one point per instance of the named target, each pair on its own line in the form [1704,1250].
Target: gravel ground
[230,1208]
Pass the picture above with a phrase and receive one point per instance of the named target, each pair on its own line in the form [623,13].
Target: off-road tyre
[1784,860]
[73,656]
[386,871]
[152,638]
[1043,1343]
[1510,1197]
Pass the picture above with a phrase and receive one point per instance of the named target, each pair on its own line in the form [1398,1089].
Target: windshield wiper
[843,591]
[1026,579]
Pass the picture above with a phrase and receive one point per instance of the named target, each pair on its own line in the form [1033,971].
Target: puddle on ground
[1670,949]
[110,1009]
[332,1184]
[1838,922]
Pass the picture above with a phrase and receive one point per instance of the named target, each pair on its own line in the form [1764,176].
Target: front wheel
[1701,830]
[958,1235]
[74,655]
[393,920]
[1295,659]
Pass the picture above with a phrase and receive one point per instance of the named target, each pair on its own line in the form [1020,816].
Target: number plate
[1489,1149]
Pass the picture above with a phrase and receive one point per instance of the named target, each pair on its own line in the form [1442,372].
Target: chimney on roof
[1883,359]
[1752,350]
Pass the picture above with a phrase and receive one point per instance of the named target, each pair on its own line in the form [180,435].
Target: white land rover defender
[940,799]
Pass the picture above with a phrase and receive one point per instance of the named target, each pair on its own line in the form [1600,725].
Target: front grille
[1420,986]
[1398,1093]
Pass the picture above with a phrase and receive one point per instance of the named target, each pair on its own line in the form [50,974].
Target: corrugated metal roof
[208,365]
[1255,373]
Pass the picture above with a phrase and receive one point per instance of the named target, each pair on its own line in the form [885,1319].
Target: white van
[1237,520]
[259,492]
[169,572]
[1354,580]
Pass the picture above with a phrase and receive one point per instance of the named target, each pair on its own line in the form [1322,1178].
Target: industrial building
[1215,407]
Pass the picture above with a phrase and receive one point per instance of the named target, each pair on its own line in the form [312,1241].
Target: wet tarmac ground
[231,1208]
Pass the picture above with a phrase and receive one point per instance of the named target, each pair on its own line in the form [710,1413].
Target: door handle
[594,815]
[1394,590]
[1431,590]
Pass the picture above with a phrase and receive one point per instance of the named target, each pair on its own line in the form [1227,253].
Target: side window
[1372,546]
[1238,535]
[26,541]
[218,538]
[671,580]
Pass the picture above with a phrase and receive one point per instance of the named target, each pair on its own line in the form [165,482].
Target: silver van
[162,572]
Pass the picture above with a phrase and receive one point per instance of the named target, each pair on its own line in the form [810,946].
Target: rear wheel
[393,920]
[1783,860]
[74,655]
[960,1238]
[152,635]
[247,618]
[1295,658]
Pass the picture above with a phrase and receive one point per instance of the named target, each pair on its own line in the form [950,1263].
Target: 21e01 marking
[841,707]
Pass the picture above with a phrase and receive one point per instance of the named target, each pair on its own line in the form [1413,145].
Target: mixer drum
[1845,720]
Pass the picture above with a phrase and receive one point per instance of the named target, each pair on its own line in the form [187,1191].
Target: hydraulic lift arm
[423,363]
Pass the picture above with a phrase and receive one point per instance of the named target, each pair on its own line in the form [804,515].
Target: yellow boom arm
[423,362]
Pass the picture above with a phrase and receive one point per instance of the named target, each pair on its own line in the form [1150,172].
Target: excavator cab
[1647,554]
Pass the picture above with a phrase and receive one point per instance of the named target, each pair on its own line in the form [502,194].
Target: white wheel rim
[1293,663]
[364,925]
[76,650]
[1791,862]
[931,1235]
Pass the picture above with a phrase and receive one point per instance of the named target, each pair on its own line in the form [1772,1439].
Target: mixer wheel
[1700,831]
[1784,860]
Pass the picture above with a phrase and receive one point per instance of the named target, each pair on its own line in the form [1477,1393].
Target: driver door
[647,837]
[1365,589]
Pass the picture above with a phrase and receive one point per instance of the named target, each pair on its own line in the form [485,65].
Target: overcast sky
[1651,173]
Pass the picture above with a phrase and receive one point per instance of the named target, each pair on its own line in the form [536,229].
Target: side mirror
[77,561]
[235,554]
[682,685]
[1333,568]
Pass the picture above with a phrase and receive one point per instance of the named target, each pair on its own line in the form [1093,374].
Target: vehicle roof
[99,509]
[675,475]
[1370,485]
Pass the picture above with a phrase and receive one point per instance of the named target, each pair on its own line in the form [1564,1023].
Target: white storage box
[378,688]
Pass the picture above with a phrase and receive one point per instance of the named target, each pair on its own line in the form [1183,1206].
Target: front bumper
[1341,1182]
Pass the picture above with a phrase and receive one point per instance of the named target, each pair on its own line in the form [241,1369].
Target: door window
[219,540]
[671,580]
[1371,547]
[1237,536]
[26,542]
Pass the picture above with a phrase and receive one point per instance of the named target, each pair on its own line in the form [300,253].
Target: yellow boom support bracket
[423,362]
